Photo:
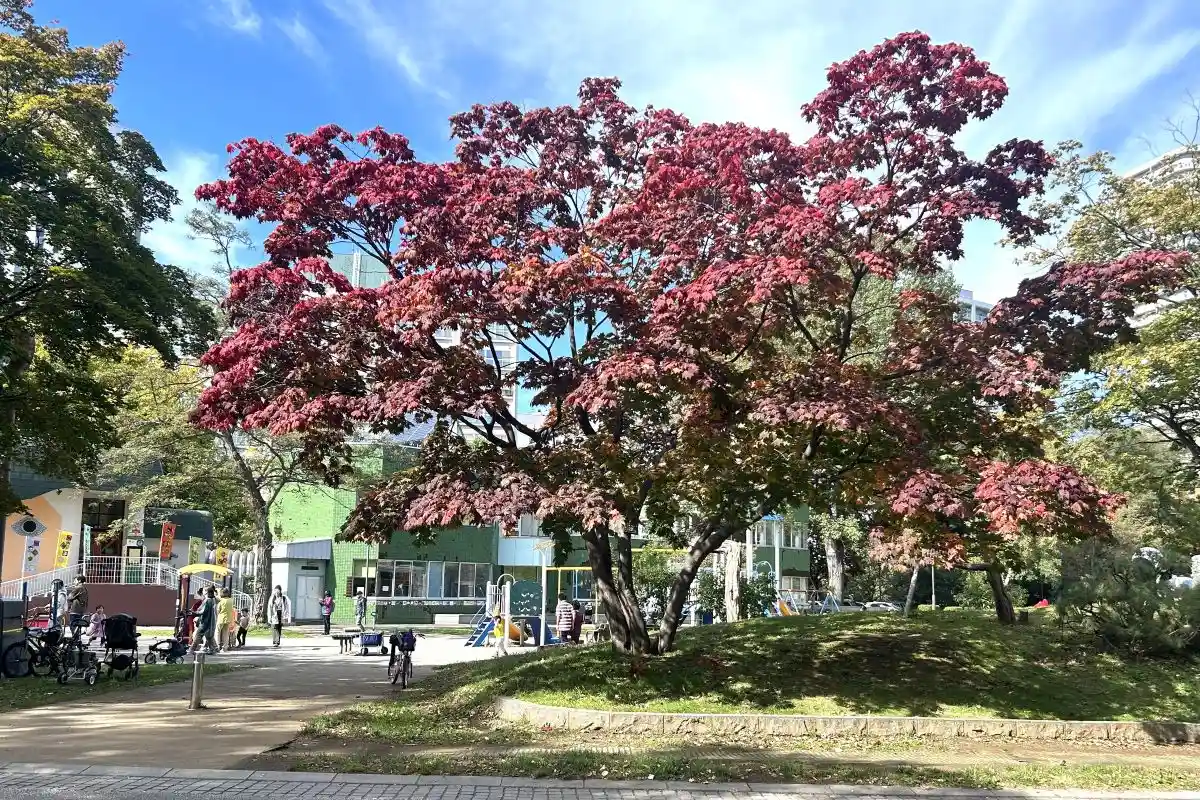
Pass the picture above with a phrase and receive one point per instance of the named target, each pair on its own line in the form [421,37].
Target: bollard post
[197,703]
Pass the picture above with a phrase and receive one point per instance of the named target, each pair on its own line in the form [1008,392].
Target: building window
[362,578]
[412,579]
[400,578]
[465,579]
[385,574]
[767,532]
[102,515]
[793,583]
[583,585]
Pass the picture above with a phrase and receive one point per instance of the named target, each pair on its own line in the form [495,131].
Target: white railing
[113,570]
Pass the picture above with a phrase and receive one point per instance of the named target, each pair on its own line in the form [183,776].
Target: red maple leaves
[713,316]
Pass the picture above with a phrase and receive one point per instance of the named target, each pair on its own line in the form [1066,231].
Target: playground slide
[487,630]
[784,611]
[514,633]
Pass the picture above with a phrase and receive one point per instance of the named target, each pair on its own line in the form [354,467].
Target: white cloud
[237,15]
[303,38]
[387,41]
[1072,65]
[169,240]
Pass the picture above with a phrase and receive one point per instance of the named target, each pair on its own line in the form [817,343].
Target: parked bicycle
[400,662]
[39,654]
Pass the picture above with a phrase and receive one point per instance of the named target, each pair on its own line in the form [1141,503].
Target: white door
[308,597]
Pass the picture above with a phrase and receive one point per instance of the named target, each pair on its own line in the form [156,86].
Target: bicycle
[400,667]
[38,654]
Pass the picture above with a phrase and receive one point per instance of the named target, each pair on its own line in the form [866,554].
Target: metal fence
[112,570]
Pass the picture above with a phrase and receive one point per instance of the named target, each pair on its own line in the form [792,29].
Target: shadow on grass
[949,664]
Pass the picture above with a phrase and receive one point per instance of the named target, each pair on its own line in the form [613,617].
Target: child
[243,623]
[96,628]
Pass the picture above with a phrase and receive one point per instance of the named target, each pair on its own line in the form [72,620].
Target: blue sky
[203,73]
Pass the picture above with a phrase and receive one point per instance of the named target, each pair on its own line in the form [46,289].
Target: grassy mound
[949,664]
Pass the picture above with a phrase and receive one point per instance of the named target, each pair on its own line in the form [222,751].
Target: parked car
[881,605]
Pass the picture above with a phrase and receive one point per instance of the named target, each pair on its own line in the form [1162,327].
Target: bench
[345,641]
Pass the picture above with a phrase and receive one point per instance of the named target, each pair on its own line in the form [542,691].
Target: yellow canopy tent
[215,569]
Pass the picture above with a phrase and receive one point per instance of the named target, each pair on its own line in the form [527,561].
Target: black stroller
[173,649]
[121,645]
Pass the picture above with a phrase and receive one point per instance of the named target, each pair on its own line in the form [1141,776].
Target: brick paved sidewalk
[85,783]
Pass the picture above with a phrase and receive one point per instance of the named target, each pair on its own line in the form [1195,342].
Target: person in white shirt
[279,613]
[564,618]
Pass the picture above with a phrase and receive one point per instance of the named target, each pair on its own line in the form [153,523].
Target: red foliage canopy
[716,319]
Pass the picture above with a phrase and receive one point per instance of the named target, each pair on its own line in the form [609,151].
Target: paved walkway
[248,711]
[30,782]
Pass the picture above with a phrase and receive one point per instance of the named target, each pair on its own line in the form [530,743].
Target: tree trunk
[835,565]
[264,538]
[912,590]
[625,619]
[733,582]
[702,548]
[995,576]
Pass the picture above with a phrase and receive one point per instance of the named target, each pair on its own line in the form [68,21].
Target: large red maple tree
[717,320]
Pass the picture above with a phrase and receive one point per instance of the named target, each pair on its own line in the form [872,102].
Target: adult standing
[360,610]
[564,618]
[206,622]
[279,613]
[225,621]
[576,622]
[58,604]
[190,616]
[327,609]
[77,605]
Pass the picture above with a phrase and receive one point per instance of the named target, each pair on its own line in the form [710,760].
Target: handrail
[109,570]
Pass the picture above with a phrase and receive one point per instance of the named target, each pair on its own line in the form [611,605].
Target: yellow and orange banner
[167,543]
[62,553]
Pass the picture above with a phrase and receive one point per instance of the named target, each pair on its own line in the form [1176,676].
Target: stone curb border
[236,777]
[580,719]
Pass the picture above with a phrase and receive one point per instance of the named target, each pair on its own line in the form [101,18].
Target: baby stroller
[173,649]
[121,645]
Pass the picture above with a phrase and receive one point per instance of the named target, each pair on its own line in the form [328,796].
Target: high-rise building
[970,309]
[1169,167]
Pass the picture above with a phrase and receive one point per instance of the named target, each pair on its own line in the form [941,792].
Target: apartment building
[971,309]
[1176,165]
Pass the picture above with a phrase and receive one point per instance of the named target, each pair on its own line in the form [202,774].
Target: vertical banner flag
[167,543]
[33,548]
[87,541]
[223,557]
[195,550]
[62,553]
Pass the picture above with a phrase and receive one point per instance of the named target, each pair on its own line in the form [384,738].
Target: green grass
[33,692]
[961,664]
[934,665]
[571,765]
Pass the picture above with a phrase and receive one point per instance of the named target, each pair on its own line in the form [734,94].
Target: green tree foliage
[654,571]
[756,594]
[1127,605]
[1161,508]
[1152,383]
[76,192]
[163,461]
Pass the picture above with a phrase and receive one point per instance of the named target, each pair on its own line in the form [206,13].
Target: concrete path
[248,711]
[31,782]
